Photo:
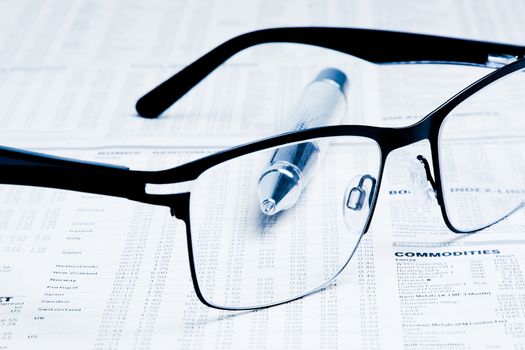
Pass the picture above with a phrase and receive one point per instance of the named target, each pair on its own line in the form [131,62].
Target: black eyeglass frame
[20,167]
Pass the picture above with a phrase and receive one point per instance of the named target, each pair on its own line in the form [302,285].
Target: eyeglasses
[245,254]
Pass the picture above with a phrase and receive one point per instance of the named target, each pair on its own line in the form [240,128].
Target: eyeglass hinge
[500,60]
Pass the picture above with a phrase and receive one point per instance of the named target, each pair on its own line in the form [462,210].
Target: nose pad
[357,202]
[421,182]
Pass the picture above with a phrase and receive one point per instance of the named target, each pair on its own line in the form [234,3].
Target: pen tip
[268,207]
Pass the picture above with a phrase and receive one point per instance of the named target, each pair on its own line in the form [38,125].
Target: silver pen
[291,167]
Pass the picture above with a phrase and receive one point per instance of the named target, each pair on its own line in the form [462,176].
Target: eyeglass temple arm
[375,46]
[18,167]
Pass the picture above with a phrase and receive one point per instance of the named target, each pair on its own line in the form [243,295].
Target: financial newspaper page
[94,272]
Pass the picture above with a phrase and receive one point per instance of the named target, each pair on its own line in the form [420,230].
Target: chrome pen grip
[291,167]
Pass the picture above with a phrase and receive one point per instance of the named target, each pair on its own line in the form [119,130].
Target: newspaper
[95,272]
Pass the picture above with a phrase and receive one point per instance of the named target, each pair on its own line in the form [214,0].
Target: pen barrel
[322,102]
[291,167]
